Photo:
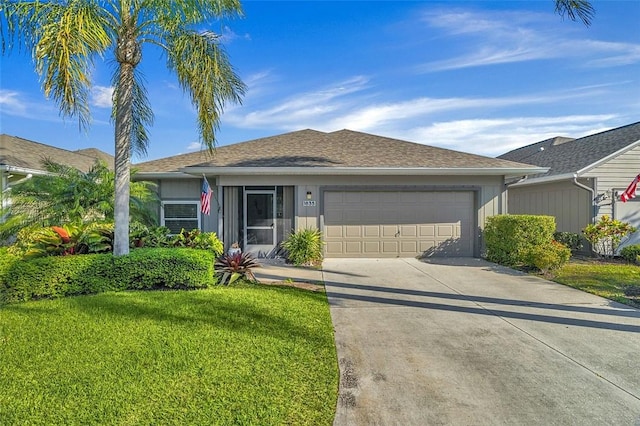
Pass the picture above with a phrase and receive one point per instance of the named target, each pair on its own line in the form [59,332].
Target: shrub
[304,247]
[198,239]
[509,239]
[64,240]
[631,253]
[59,276]
[606,235]
[550,257]
[231,267]
[569,239]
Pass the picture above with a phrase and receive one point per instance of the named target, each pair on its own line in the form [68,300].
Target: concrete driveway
[465,342]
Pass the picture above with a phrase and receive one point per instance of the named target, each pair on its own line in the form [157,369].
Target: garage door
[398,224]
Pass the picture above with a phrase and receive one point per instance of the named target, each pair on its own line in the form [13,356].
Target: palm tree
[66,36]
[576,9]
[68,195]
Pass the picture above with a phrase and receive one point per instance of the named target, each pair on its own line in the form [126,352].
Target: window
[177,215]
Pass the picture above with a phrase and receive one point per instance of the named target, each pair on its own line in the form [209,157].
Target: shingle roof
[311,148]
[23,153]
[566,155]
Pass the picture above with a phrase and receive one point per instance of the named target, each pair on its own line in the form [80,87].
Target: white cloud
[493,137]
[11,103]
[101,96]
[300,110]
[228,35]
[193,146]
[500,38]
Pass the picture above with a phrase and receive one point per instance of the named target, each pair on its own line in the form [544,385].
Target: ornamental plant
[231,267]
[304,247]
[606,235]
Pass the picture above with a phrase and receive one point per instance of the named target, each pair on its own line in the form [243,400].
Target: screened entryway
[258,218]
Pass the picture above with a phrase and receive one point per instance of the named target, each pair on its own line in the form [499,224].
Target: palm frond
[204,71]
[63,37]
[576,9]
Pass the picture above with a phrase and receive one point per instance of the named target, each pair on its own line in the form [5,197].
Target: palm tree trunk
[123,129]
[128,55]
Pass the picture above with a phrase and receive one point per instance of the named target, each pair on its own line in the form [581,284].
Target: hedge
[510,239]
[141,269]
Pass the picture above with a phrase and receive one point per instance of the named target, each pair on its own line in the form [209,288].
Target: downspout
[593,195]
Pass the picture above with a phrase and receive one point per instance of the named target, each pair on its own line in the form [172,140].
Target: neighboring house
[21,158]
[584,179]
[371,196]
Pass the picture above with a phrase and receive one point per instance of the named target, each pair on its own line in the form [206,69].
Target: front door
[259,221]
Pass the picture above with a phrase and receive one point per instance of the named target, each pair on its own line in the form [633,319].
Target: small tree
[606,235]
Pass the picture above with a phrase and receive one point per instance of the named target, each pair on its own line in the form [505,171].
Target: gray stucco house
[371,196]
[583,181]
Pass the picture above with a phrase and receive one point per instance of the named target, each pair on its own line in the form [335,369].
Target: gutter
[366,171]
[593,195]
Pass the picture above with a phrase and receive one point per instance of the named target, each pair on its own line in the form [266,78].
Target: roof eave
[367,171]
[543,179]
[161,175]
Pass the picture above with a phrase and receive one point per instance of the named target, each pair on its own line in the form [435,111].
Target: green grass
[601,278]
[252,355]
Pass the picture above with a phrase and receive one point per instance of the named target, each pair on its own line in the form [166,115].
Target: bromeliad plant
[231,267]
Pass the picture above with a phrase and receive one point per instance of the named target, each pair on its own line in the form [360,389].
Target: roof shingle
[311,148]
[23,153]
[565,155]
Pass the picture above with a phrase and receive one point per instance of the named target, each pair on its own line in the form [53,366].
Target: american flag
[205,197]
[630,192]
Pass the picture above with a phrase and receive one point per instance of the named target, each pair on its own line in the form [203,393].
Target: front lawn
[227,355]
[601,278]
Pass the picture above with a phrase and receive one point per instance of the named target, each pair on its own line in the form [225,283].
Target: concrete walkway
[464,342]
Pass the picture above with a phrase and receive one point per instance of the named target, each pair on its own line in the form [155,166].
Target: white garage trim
[398,223]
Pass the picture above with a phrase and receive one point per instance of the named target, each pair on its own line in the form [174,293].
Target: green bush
[304,247]
[630,253]
[569,239]
[550,257]
[509,239]
[606,235]
[59,276]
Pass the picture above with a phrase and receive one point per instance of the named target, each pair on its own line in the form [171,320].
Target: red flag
[630,192]
[205,197]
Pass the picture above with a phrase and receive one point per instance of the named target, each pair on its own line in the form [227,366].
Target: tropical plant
[304,247]
[68,195]
[606,235]
[63,240]
[200,240]
[231,267]
[64,37]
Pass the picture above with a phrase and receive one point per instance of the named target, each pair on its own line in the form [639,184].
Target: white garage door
[398,224]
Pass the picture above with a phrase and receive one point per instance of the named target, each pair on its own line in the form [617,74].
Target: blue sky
[479,76]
